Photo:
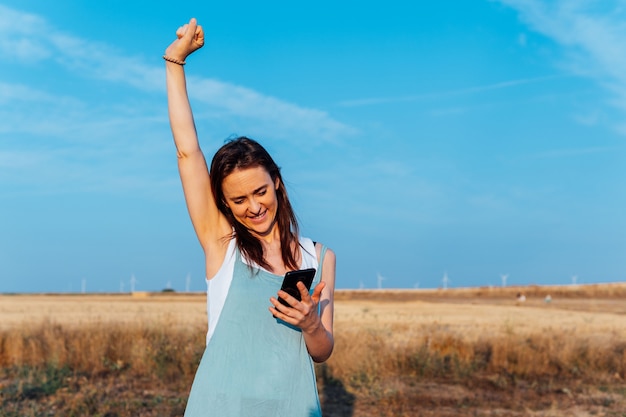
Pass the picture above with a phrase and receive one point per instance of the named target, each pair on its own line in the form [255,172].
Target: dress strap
[320,264]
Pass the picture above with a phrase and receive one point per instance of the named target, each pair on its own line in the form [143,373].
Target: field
[454,352]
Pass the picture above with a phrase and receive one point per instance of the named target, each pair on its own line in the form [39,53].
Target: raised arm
[207,221]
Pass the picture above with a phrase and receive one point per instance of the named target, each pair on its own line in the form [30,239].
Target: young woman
[259,355]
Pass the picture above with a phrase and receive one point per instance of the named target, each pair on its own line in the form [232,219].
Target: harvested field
[398,352]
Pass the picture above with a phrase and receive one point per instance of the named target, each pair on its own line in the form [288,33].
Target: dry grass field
[455,352]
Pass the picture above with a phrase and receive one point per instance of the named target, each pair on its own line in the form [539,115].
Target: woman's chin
[261,229]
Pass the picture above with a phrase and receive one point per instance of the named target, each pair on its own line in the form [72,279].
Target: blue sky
[473,139]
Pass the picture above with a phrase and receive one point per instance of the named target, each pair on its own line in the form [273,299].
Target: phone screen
[292,278]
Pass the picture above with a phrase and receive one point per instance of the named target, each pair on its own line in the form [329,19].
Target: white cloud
[438,94]
[22,36]
[283,116]
[592,34]
[56,142]
[20,159]
[10,93]
[104,62]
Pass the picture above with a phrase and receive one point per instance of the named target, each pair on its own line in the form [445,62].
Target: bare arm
[317,329]
[207,221]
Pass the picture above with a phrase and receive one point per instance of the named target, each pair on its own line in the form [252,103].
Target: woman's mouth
[258,216]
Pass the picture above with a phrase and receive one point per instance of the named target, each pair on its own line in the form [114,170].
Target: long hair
[243,153]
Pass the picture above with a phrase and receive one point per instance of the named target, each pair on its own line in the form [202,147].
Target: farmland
[474,351]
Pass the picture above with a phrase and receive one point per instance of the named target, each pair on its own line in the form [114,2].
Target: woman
[259,355]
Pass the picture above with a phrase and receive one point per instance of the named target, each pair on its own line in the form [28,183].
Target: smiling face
[250,194]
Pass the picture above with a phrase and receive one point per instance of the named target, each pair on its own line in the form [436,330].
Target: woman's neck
[272,252]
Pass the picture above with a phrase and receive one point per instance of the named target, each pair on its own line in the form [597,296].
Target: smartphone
[292,278]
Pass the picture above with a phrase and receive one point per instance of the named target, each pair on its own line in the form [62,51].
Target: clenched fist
[190,38]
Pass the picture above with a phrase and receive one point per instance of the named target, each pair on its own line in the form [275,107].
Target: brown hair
[243,153]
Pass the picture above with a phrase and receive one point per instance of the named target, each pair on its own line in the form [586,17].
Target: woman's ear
[276,183]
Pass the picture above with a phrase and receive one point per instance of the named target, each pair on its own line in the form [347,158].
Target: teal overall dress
[254,365]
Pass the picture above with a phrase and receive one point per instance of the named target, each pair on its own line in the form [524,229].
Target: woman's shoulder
[311,243]
[321,249]
[313,251]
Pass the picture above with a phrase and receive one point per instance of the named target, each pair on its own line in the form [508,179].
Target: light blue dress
[255,365]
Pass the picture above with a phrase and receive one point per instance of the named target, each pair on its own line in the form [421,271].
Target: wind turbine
[83,286]
[380,280]
[133,281]
[187,282]
[445,280]
[574,279]
[504,277]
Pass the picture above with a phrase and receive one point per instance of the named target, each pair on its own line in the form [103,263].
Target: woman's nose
[255,207]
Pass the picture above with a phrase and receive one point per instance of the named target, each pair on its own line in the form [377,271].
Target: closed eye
[261,191]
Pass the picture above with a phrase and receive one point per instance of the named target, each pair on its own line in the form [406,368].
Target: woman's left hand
[302,314]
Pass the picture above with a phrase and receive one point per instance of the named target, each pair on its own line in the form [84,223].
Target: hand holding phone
[291,280]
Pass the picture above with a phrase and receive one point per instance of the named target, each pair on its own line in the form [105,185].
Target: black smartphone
[292,278]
